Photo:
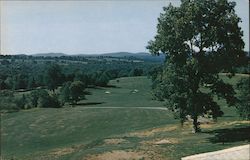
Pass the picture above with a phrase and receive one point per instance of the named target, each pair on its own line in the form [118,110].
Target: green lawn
[83,132]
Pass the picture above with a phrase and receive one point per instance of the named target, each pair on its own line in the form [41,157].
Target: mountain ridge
[139,55]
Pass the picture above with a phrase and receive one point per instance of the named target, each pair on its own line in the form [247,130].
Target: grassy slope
[74,133]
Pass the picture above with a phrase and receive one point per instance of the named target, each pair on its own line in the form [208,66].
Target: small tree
[31,83]
[48,101]
[54,77]
[34,96]
[65,93]
[76,89]
[79,76]
[200,39]
[136,72]
[21,102]
[102,80]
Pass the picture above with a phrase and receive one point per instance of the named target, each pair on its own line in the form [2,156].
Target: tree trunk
[182,117]
[196,124]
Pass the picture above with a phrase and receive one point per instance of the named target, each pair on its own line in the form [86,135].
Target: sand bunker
[118,155]
[152,132]
[62,152]
[161,141]
[115,141]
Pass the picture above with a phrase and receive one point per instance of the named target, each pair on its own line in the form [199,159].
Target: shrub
[48,101]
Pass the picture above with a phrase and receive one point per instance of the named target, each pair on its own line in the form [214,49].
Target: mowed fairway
[113,125]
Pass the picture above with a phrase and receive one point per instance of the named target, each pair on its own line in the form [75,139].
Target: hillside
[118,123]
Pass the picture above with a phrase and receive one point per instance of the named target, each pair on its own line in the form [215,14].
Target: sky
[86,27]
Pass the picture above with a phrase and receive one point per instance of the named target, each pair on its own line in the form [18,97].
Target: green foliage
[136,72]
[8,101]
[54,76]
[102,79]
[65,93]
[34,96]
[80,76]
[72,92]
[76,89]
[31,83]
[244,98]
[48,101]
[20,102]
[28,72]
[200,38]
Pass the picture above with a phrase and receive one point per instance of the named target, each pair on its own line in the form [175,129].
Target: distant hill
[141,55]
[49,55]
[125,55]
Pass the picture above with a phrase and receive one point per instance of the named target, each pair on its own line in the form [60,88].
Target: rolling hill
[125,55]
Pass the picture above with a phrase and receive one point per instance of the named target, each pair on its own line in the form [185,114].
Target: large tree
[200,38]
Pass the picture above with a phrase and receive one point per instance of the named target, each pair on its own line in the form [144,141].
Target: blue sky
[86,27]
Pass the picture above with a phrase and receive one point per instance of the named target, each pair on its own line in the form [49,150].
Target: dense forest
[54,81]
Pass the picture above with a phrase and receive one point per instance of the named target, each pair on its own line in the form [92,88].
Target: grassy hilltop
[114,122]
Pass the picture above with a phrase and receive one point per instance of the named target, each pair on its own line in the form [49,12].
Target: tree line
[27,84]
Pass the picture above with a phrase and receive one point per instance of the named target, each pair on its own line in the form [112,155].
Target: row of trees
[36,98]
[71,88]
[24,77]
[70,92]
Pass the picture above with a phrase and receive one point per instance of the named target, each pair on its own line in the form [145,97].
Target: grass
[80,132]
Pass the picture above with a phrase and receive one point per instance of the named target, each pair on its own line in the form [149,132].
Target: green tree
[31,82]
[200,39]
[54,77]
[21,102]
[76,89]
[65,93]
[136,72]
[79,76]
[48,101]
[244,98]
[102,80]
[34,96]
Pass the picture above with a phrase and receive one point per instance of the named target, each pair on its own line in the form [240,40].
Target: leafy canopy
[200,39]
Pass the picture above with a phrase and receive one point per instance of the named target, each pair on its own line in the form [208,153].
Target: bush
[21,102]
[8,104]
[48,101]
[7,101]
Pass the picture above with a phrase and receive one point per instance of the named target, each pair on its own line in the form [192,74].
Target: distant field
[100,132]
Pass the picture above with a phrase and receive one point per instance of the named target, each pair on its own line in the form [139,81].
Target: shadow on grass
[230,135]
[89,103]
[104,87]
[111,86]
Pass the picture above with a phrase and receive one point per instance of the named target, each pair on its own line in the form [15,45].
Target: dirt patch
[118,155]
[161,141]
[235,123]
[167,141]
[61,152]
[213,124]
[115,141]
[152,132]
[64,151]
